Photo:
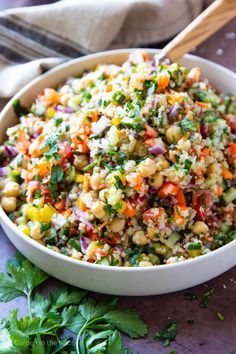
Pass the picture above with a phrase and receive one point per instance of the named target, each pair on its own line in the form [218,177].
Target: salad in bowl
[125,165]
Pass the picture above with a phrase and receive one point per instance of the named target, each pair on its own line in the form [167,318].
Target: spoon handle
[208,22]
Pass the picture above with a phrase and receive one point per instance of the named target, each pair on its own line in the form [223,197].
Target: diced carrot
[109,88]
[145,56]
[227,174]
[168,188]
[102,225]
[180,198]
[163,81]
[202,104]
[219,191]
[205,152]
[86,184]
[60,205]
[152,214]
[129,211]
[233,149]
[94,116]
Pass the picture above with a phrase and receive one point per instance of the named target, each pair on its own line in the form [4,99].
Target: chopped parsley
[44,226]
[19,109]
[167,334]
[187,125]
[56,177]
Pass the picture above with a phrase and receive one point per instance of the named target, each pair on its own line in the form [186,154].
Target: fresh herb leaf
[167,334]
[38,346]
[114,344]
[44,226]
[19,109]
[21,279]
[127,322]
[188,125]
[56,177]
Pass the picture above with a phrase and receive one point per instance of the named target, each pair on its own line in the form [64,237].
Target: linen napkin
[35,39]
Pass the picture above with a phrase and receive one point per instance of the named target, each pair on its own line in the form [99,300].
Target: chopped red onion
[83,243]
[155,101]
[142,200]
[169,201]
[162,226]
[82,217]
[204,130]
[174,111]
[11,151]
[157,150]
[62,109]
[4,171]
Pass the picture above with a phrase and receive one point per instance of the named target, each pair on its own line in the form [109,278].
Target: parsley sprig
[96,324]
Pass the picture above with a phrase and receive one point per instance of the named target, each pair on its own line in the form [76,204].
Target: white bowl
[101,278]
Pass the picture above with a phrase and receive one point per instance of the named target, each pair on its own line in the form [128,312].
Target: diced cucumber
[229,195]
[104,261]
[172,240]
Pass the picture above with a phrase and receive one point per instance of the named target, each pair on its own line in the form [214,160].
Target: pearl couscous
[131,165]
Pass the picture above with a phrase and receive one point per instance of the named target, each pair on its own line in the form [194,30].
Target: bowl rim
[6,220]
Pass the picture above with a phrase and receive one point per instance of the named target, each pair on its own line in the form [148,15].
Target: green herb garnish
[96,324]
[19,109]
[167,334]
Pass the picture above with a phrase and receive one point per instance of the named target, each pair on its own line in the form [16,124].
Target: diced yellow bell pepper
[195,253]
[79,178]
[42,215]
[116,121]
[51,112]
[32,213]
[25,229]
[47,212]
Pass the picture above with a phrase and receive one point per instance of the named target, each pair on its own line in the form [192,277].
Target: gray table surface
[207,334]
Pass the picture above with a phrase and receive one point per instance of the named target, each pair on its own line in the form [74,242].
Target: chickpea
[80,161]
[200,228]
[162,164]
[139,238]
[11,189]
[145,264]
[117,225]
[95,181]
[97,209]
[35,232]
[147,168]
[156,180]
[173,134]
[8,204]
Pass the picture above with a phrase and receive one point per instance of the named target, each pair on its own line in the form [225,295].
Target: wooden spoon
[208,22]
